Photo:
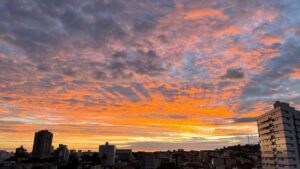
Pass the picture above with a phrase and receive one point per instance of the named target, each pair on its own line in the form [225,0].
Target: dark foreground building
[42,145]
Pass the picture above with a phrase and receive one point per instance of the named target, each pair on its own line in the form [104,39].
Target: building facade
[107,154]
[279,134]
[42,145]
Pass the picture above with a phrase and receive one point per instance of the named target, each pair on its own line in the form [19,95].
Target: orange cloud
[204,13]
[295,74]
[269,39]
[187,99]
[231,30]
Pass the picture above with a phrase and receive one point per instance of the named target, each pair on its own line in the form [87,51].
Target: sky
[145,74]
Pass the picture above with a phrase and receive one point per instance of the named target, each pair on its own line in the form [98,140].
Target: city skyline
[43,143]
[145,74]
[51,147]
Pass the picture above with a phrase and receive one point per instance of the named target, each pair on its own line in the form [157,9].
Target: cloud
[125,92]
[173,116]
[244,120]
[204,13]
[125,66]
[295,73]
[235,73]
[268,83]
[145,70]
[8,98]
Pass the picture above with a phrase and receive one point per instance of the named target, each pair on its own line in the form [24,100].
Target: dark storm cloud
[234,73]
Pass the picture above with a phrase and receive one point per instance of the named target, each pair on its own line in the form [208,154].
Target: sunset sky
[145,74]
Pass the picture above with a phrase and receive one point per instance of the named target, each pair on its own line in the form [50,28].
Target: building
[218,163]
[230,163]
[124,154]
[107,154]
[4,155]
[21,154]
[62,153]
[150,162]
[21,151]
[42,145]
[279,134]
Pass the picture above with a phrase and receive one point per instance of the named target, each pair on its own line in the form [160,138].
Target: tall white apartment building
[279,135]
[107,154]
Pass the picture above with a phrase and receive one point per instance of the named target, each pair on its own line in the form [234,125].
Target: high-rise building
[279,134]
[42,145]
[107,154]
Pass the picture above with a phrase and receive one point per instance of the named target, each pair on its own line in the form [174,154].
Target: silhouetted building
[42,145]
[20,151]
[107,154]
[150,162]
[4,155]
[124,154]
[218,163]
[279,134]
[62,153]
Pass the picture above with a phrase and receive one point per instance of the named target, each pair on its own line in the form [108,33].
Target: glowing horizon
[145,74]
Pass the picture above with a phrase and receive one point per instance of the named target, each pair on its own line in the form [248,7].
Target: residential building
[279,134]
[62,153]
[218,163]
[107,154]
[124,154]
[4,155]
[20,151]
[150,162]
